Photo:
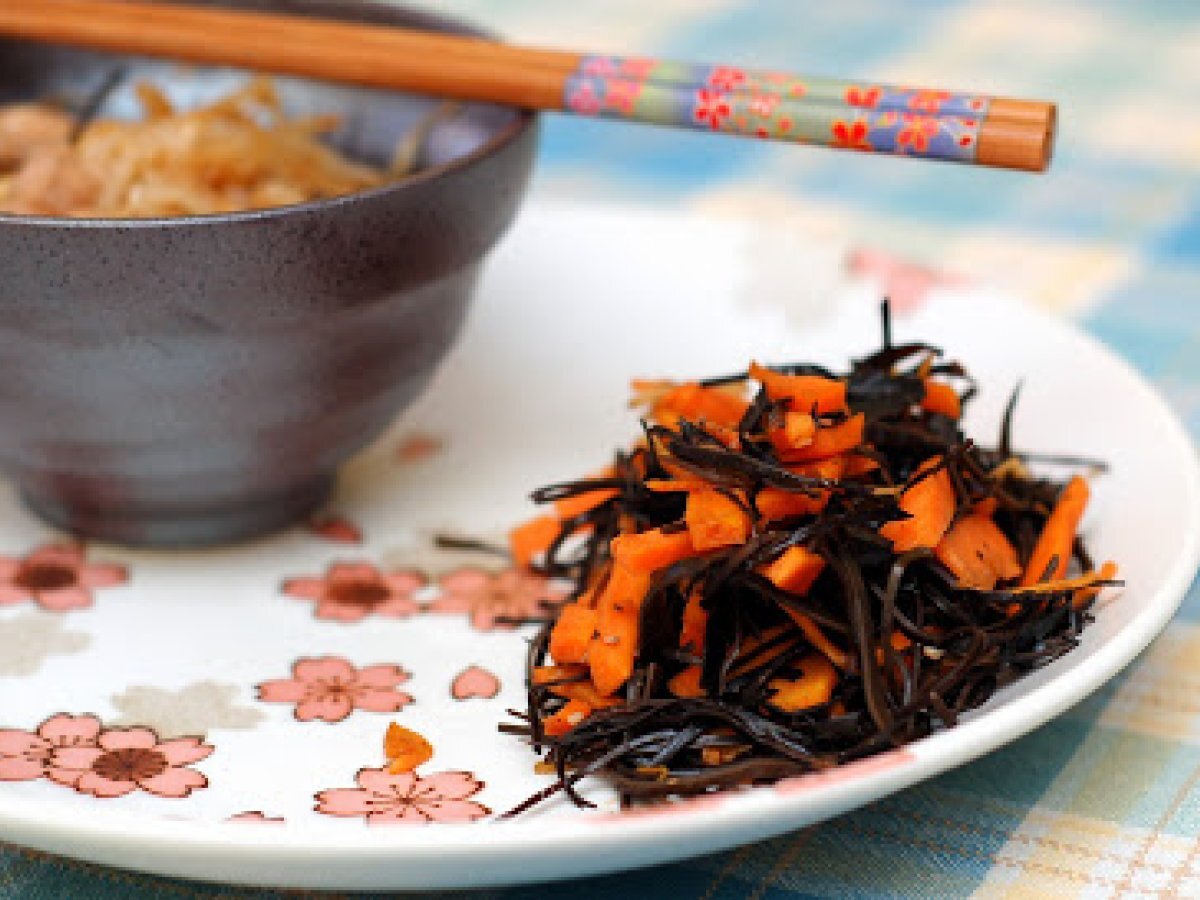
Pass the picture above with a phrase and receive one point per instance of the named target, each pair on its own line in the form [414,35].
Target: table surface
[1105,800]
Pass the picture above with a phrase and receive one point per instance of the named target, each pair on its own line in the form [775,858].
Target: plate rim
[216,851]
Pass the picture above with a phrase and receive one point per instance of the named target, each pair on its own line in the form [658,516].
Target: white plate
[576,302]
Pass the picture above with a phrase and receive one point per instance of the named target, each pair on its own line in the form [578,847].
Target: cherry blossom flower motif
[495,600]
[57,577]
[637,68]
[584,99]
[335,527]
[129,759]
[418,446]
[475,682]
[851,135]
[598,66]
[867,97]
[623,95]
[928,101]
[726,78]
[712,108]
[905,283]
[351,591]
[764,104]
[329,688]
[917,131]
[25,755]
[256,816]
[383,797]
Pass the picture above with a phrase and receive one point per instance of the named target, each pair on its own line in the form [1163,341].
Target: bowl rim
[523,122]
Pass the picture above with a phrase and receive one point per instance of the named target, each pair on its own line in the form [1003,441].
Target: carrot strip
[978,553]
[578,504]
[775,503]
[686,683]
[941,398]
[794,570]
[533,538]
[930,504]
[813,688]
[649,551]
[549,674]
[696,403]
[558,724]
[804,391]
[798,430]
[831,441]
[612,651]
[572,633]
[695,623]
[714,521]
[1058,534]
[815,636]
[676,485]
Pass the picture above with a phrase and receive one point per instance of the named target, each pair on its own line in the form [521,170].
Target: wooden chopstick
[927,123]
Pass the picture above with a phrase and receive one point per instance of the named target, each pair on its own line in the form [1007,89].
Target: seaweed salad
[791,569]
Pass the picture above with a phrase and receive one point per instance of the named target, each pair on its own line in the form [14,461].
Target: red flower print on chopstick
[57,577]
[351,591]
[384,797]
[492,601]
[329,688]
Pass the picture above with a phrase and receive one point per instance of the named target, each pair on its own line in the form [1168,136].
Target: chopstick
[924,123]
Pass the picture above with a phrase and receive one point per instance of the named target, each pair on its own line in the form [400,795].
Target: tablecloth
[1105,800]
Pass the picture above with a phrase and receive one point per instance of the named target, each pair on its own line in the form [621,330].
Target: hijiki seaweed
[794,569]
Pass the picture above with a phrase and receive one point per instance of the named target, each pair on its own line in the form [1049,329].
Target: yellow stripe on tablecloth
[1161,695]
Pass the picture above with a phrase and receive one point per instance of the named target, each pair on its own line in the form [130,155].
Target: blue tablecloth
[1105,800]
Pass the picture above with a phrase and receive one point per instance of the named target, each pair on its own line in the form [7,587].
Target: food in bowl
[793,569]
[239,153]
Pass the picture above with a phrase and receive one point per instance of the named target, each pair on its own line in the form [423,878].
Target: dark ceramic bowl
[197,380]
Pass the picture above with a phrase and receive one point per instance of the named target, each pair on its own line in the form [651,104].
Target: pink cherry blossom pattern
[500,600]
[57,577]
[905,283]
[329,688]
[726,78]
[764,104]
[475,682]
[384,797]
[25,755]
[584,99]
[350,592]
[256,816]
[125,760]
[418,446]
[335,527]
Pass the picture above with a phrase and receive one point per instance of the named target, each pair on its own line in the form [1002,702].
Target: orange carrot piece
[548,674]
[686,683]
[695,624]
[676,485]
[815,636]
[804,391]
[1058,534]
[578,504]
[572,633]
[612,651]
[978,553]
[831,441]
[941,398]
[714,521]
[798,430]
[813,688]
[558,724]
[986,507]
[405,749]
[794,570]
[930,503]
[855,465]
[711,405]
[533,538]
[774,503]
[649,551]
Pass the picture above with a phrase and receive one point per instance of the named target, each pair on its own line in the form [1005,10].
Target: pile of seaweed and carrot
[795,568]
